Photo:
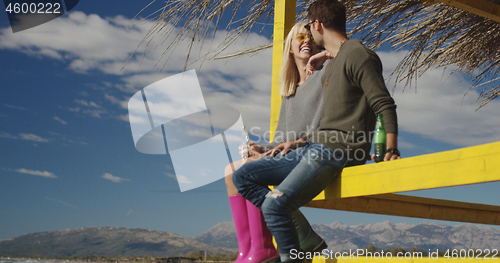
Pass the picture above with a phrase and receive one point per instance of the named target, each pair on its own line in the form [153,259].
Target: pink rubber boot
[240,216]
[262,248]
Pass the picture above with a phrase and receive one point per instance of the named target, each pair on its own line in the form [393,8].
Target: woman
[299,114]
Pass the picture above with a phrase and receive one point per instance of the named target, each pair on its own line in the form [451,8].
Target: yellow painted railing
[477,164]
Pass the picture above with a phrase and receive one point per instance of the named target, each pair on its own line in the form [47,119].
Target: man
[353,93]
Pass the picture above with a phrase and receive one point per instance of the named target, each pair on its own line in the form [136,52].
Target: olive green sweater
[353,93]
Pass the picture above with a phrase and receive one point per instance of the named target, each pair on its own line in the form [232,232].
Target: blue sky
[67,156]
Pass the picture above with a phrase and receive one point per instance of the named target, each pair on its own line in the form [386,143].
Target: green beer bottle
[379,139]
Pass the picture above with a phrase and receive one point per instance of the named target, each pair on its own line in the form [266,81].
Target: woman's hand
[255,148]
[316,61]
[252,147]
[284,147]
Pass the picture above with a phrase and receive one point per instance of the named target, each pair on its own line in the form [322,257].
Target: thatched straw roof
[436,35]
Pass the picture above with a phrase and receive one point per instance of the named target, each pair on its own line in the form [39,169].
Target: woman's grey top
[299,113]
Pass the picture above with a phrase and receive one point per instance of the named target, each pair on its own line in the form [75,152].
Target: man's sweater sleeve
[368,74]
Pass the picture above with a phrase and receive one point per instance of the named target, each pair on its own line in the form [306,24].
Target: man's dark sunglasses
[308,26]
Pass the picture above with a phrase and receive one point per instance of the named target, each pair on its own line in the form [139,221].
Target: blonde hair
[289,75]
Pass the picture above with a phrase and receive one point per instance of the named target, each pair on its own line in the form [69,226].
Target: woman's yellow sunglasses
[301,37]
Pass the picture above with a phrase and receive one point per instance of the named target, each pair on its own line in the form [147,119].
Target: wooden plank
[482,8]
[413,206]
[284,19]
[471,165]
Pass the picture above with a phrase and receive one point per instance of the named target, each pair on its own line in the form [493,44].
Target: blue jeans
[301,174]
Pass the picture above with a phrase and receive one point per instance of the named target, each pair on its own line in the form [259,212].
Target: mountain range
[221,238]
[110,241]
[385,235]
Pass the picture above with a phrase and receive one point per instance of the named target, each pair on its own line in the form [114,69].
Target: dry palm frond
[199,17]
[436,36]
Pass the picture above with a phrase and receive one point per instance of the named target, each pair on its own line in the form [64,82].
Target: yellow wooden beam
[471,165]
[284,19]
[482,8]
[413,206]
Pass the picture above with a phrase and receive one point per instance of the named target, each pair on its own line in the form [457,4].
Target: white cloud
[37,173]
[205,172]
[23,136]
[95,113]
[127,118]
[402,144]
[440,110]
[114,100]
[183,179]
[171,175]
[230,137]
[7,135]
[61,202]
[13,107]
[90,108]
[36,138]
[89,42]
[180,178]
[199,133]
[87,103]
[112,178]
[60,120]
[32,137]
[68,139]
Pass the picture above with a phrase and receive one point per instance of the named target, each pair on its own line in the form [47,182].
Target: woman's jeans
[301,174]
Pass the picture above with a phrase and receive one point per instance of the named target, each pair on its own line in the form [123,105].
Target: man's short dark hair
[331,13]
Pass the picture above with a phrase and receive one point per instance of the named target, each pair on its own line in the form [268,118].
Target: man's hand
[392,143]
[388,157]
[284,147]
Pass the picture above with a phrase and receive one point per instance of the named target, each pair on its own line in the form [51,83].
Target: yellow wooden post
[284,18]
